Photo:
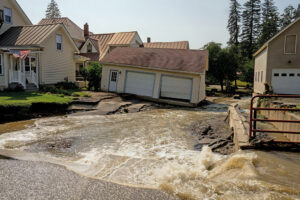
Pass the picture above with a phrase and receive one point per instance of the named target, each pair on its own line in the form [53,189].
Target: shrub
[53,90]
[66,85]
[15,88]
[94,72]
[268,89]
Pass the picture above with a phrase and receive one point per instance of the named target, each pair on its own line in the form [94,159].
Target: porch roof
[26,36]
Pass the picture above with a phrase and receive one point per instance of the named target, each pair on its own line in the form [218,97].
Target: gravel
[39,180]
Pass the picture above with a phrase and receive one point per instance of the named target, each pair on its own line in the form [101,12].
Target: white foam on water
[154,149]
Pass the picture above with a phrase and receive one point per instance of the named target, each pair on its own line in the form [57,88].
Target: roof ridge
[62,22]
[36,25]
[164,49]
[168,42]
[114,33]
[101,34]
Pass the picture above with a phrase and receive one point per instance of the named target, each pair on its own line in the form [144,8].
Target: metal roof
[168,45]
[26,35]
[75,31]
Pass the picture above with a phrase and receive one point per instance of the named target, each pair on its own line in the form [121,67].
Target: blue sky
[199,21]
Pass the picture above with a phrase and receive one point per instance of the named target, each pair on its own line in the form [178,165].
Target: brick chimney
[86,31]
[148,39]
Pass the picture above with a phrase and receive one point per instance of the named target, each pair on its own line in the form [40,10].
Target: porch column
[11,62]
[11,68]
[20,65]
[37,67]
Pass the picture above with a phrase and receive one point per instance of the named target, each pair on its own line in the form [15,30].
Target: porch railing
[17,77]
[34,79]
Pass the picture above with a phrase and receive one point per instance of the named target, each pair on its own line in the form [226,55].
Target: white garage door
[286,81]
[176,88]
[140,83]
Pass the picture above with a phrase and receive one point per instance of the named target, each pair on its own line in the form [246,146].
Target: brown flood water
[156,149]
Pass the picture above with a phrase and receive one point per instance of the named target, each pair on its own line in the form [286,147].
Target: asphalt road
[39,180]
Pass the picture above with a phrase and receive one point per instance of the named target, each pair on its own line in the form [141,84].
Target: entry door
[113,81]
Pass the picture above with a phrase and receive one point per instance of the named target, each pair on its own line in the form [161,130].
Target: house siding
[261,67]
[198,90]
[17,19]
[277,59]
[57,65]
[4,78]
[136,41]
[274,57]
[84,48]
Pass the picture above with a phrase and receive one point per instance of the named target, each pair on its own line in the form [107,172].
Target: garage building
[277,62]
[168,75]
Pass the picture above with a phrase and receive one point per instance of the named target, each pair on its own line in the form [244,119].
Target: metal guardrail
[253,117]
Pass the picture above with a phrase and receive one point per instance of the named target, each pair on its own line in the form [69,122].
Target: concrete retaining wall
[279,115]
[240,127]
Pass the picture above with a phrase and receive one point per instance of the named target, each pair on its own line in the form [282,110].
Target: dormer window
[89,48]
[7,15]
[290,44]
[58,42]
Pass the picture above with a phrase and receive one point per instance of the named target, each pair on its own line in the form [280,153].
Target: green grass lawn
[27,98]
[241,83]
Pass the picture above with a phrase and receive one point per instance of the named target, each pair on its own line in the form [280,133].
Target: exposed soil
[215,133]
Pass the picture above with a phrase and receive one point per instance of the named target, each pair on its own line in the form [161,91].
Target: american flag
[20,54]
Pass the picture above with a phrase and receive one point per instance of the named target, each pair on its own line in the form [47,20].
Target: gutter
[20,48]
[260,50]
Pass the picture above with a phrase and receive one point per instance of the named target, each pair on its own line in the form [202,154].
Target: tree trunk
[222,86]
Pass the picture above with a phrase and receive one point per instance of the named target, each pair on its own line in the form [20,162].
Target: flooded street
[156,149]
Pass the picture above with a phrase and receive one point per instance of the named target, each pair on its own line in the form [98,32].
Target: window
[114,76]
[283,74]
[33,64]
[7,15]
[290,44]
[27,64]
[262,76]
[298,74]
[89,48]
[58,42]
[258,76]
[255,76]
[276,74]
[1,65]
[292,75]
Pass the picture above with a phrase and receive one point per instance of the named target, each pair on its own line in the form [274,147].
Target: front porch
[24,71]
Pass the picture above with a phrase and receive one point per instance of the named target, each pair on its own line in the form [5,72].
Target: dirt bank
[215,133]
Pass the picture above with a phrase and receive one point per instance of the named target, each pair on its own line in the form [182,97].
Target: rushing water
[156,149]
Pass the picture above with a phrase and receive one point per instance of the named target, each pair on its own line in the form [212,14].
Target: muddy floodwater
[156,149]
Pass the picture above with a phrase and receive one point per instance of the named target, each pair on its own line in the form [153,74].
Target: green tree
[251,27]
[270,21]
[94,74]
[234,22]
[297,12]
[52,10]
[222,64]
[248,71]
[287,17]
